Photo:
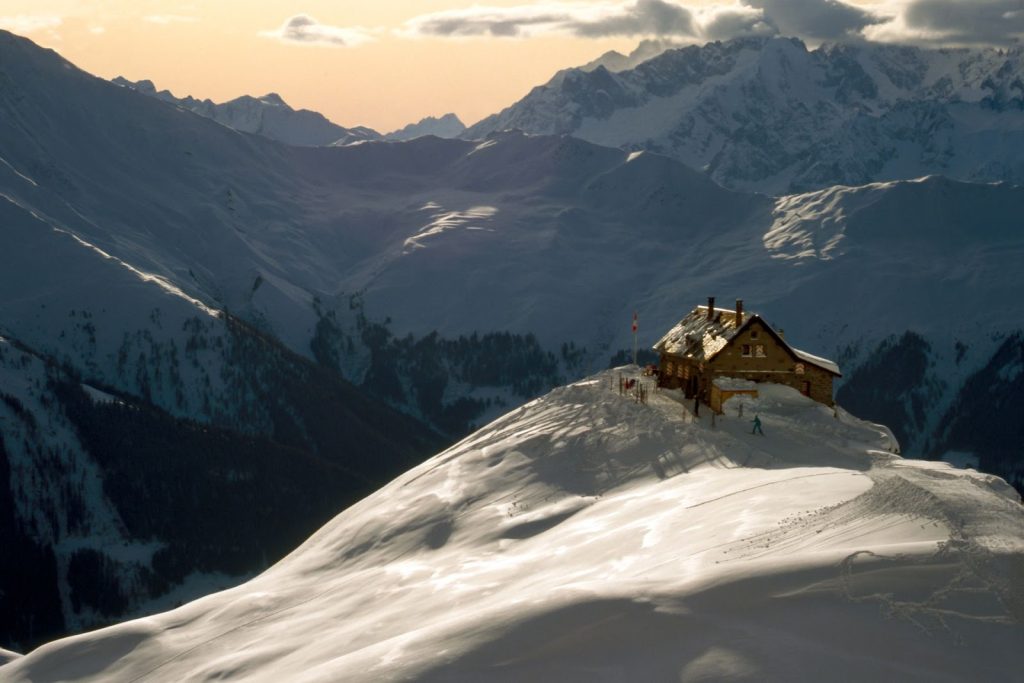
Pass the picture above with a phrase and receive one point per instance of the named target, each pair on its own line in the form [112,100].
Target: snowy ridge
[768,115]
[447,126]
[269,116]
[585,534]
[615,61]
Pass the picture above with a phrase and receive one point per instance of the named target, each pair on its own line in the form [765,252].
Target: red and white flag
[635,324]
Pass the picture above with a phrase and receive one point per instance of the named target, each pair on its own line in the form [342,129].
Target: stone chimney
[739,312]
[782,334]
[711,308]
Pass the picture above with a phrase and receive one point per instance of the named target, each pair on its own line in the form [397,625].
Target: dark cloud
[303,28]
[815,19]
[485,22]
[991,22]
[644,17]
[967,21]
[734,22]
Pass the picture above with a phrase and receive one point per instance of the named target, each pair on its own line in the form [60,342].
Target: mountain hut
[711,343]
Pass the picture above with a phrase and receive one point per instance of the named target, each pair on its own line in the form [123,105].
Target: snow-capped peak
[767,114]
[274,99]
[269,116]
[447,126]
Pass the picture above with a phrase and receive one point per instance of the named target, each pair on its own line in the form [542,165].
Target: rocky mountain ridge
[769,115]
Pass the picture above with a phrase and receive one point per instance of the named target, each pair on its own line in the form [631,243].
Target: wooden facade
[713,342]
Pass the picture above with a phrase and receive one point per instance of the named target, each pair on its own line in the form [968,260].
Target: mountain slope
[268,116]
[766,114]
[454,279]
[545,238]
[588,535]
[118,389]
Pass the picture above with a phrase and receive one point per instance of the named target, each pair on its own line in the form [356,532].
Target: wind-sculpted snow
[588,535]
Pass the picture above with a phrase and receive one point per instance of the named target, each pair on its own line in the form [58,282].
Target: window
[799,368]
[669,367]
[753,334]
[745,351]
[759,351]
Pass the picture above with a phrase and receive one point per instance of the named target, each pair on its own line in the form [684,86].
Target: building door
[805,388]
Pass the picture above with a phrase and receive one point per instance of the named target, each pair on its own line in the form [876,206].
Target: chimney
[739,312]
[711,308]
[782,334]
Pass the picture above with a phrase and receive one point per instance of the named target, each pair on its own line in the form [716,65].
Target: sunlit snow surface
[585,536]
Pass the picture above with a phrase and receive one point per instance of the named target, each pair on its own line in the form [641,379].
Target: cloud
[937,22]
[591,20]
[646,17]
[990,22]
[815,19]
[306,30]
[723,23]
[30,23]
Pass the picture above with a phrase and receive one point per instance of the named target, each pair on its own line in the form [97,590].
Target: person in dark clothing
[757,426]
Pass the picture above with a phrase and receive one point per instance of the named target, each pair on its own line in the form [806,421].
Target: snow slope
[587,536]
[768,115]
[97,301]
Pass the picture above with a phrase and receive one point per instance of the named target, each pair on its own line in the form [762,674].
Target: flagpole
[634,336]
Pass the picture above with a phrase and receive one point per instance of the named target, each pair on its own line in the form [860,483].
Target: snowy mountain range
[271,117]
[447,126]
[586,536]
[769,115]
[170,280]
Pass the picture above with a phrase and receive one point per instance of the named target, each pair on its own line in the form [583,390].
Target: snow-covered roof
[701,339]
[824,363]
[698,337]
